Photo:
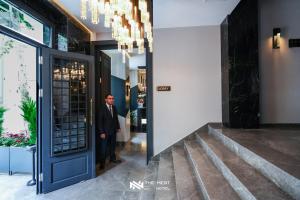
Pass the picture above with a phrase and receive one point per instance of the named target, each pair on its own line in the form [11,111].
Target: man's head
[109,99]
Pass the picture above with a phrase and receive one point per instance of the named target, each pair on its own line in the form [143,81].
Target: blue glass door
[67,119]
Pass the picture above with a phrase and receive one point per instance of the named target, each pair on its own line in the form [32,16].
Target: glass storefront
[19,21]
[17,85]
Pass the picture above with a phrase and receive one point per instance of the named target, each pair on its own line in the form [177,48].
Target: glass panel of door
[70,110]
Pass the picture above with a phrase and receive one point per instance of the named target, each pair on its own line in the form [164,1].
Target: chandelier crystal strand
[95,11]
[83,10]
[107,15]
[101,6]
[129,20]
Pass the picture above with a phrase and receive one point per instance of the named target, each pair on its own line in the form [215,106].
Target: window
[69,89]
[17,82]
[17,20]
[62,43]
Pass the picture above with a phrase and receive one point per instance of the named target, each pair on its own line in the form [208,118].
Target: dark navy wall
[133,98]
[118,91]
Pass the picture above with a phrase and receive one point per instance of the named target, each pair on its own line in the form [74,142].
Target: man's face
[110,100]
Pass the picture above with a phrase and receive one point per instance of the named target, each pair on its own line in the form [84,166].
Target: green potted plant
[28,107]
[2,111]
[20,155]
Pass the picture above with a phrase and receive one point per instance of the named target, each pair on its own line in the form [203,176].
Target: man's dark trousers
[109,124]
[108,147]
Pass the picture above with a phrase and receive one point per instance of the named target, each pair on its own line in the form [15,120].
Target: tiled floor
[14,187]
[111,184]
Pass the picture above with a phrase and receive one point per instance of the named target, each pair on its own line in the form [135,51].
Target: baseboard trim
[280,125]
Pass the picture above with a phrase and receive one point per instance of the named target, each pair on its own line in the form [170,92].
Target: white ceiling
[135,59]
[170,13]
[185,13]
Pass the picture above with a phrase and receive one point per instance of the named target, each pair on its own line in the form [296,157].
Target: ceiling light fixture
[129,20]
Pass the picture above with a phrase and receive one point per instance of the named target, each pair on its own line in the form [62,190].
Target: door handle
[91,111]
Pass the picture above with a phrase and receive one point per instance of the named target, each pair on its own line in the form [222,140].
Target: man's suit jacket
[106,123]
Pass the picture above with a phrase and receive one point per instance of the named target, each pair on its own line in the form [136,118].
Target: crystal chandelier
[128,19]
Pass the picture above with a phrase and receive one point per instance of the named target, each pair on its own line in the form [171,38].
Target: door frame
[112,44]
[19,37]
[48,55]
[100,91]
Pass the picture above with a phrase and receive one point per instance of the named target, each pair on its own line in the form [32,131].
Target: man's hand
[102,135]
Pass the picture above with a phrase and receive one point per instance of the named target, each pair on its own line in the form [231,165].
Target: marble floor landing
[280,146]
[112,184]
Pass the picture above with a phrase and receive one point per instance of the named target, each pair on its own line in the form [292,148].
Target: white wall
[124,134]
[103,36]
[133,77]
[136,61]
[279,68]
[117,66]
[189,60]
[13,76]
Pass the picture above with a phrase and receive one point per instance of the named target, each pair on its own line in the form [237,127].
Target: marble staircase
[212,165]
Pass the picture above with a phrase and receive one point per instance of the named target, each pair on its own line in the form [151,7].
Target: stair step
[186,183]
[261,187]
[150,179]
[278,176]
[166,187]
[211,181]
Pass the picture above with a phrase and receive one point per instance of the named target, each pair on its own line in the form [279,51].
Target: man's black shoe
[116,161]
[102,166]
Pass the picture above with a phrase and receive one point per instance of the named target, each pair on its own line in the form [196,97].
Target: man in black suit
[108,127]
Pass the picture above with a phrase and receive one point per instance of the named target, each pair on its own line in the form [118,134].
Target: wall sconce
[276,38]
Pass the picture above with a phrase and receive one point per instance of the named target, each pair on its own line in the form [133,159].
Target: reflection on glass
[69,106]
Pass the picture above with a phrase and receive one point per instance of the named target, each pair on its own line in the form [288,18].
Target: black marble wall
[225,71]
[240,72]
[78,39]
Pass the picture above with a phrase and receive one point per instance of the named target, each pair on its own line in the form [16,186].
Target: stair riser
[197,173]
[166,173]
[283,180]
[150,193]
[186,184]
[235,183]
[177,191]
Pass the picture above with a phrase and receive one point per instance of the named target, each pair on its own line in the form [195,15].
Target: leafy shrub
[2,111]
[28,107]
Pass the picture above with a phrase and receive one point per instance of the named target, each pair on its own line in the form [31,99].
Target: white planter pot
[4,159]
[20,160]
